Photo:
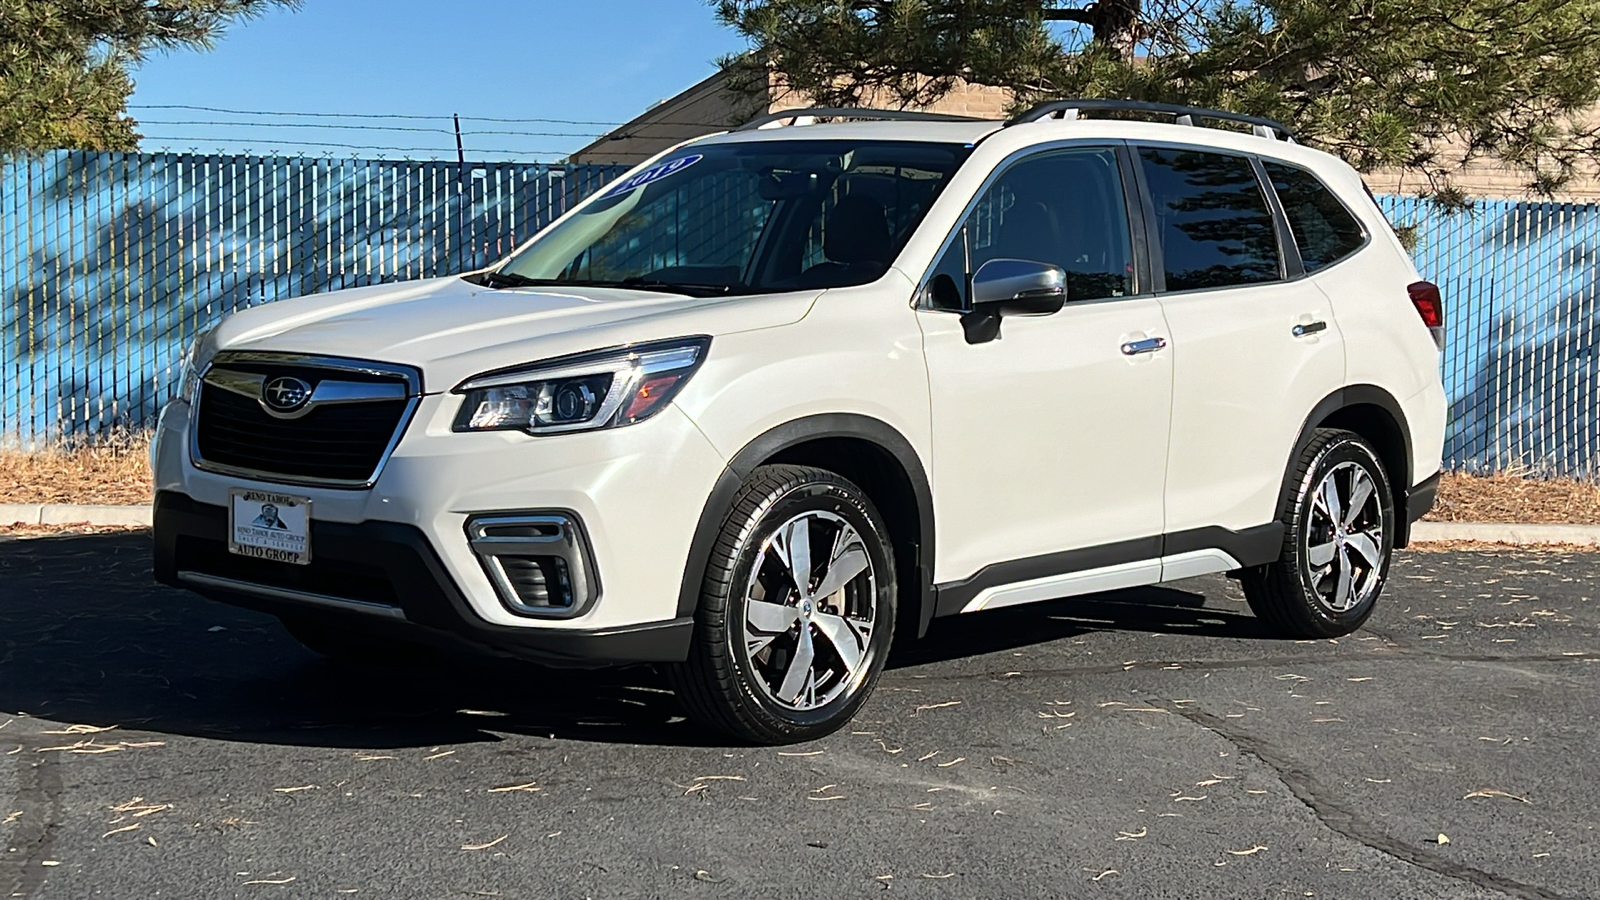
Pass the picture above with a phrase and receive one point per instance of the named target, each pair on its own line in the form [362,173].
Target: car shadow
[87,637]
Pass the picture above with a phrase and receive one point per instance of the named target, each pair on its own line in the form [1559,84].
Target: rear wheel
[796,613]
[1337,545]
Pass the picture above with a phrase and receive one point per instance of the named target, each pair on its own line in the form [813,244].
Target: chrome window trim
[412,377]
[919,295]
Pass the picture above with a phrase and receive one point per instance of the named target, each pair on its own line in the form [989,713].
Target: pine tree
[64,64]
[1419,85]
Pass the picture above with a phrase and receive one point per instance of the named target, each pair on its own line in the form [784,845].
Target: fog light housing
[540,564]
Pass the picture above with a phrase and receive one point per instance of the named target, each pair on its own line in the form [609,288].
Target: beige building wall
[712,106]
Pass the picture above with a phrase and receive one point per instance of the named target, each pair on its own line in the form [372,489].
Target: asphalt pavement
[1144,744]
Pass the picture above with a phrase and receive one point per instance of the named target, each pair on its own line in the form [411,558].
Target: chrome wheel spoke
[799,675]
[1342,590]
[1363,544]
[849,561]
[1330,499]
[1320,555]
[793,544]
[1361,489]
[841,633]
[769,617]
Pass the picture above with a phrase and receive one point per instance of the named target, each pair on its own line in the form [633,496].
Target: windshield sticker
[653,174]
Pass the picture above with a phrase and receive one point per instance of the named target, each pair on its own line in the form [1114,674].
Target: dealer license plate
[270,526]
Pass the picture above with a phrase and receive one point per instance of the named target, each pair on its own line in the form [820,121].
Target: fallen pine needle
[936,706]
[438,755]
[1494,793]
[290,790]
[271,880]
[1132,835]
[941,875]
[1251,852]
[81,729]
[485,846]
[1105,873]
[530,786]
[957,760]
[719,777]
[806,753]
[119,830]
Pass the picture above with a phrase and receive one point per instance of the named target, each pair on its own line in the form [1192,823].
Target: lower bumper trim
[201,581]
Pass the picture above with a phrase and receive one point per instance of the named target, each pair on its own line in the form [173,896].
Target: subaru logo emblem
[285,394]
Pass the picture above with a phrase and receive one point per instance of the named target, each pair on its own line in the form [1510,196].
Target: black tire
[1300,597]
[726,684]
[348,644]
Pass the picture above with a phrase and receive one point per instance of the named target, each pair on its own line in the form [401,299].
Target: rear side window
[1323,228]
[1212,220]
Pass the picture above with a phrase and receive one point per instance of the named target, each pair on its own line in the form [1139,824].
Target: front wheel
[1337,545]
[797,610]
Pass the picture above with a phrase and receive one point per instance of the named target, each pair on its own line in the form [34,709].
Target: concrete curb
[1435,532]
[72,514]
[1422,532]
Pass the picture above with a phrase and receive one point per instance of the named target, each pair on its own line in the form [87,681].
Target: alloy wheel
[1345,541]
[809,611]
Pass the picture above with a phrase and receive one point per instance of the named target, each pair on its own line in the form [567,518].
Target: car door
[1254,347]
[1048,442]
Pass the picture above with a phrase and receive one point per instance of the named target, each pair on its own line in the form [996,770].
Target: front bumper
[638,493]
[386,578]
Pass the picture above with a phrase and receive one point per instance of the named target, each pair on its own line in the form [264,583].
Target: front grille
[342,443]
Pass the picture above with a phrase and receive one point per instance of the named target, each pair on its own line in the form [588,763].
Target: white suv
[783,394]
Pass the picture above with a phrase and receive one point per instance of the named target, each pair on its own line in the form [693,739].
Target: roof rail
[1184,115]
[835,112]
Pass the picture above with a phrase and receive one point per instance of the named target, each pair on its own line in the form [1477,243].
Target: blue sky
[584,60]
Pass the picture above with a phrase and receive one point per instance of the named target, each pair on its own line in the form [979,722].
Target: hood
[452,329]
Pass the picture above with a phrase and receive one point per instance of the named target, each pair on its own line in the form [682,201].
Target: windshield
[746,218]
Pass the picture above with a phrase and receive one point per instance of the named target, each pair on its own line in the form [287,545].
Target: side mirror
[1012,287]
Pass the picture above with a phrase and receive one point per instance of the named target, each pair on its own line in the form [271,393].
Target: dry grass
[1512,498]
[113,472]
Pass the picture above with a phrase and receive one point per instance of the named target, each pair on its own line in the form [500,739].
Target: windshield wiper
[502,279]
[690,288]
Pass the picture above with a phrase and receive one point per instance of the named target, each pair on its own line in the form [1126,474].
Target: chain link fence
[1522,357]
[110,262]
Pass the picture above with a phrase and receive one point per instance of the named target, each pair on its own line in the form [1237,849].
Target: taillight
[1430,306]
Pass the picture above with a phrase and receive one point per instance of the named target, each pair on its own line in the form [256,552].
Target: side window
[1323,228]
[1062,207]
[1212,220]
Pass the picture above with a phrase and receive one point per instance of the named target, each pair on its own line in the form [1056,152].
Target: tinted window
[1322,226]
[1065,208]
[749,217]
[1212,220]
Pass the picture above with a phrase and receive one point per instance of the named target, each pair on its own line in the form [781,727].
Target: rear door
[1050,442]
[1254,346]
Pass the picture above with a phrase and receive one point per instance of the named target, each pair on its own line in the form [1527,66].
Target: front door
[1050,441]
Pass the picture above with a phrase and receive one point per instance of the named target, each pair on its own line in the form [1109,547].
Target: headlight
[201,349]
[606,389]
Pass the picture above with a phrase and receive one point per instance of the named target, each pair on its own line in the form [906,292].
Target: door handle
[1310,328]
[1148,345]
